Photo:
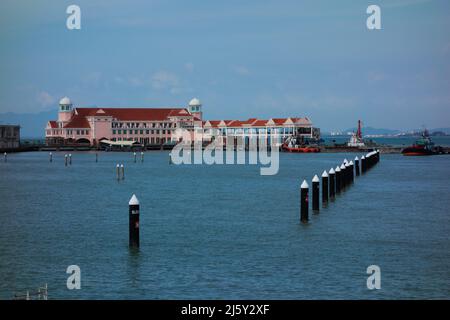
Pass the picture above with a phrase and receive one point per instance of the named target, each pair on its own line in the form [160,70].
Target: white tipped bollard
[325,187]
[304,190]
[142,156]
[343,176]
[65,160]
[123,171]
[352,171]
[134,157]
[356,166]
[70,158]
[5,155]
[50,157]
[118,171]
[133,213]
[315,193]
[363,164]
[332,179]
[338,179]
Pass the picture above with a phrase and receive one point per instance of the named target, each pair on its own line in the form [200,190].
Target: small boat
[300,149]
[298,145]
[422,147]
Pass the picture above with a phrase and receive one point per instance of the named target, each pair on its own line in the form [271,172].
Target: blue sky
[240,58]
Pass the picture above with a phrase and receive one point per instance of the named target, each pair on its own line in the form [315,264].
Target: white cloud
[376,76]
[93,78]
[168,81]
[189,66]
[164,80]
[241,70]
[45,99]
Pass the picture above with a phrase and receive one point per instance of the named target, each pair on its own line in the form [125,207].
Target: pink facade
[157,126]
[143,125]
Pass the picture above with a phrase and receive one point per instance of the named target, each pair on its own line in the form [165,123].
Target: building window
[147,131]
[124,131]
[114,131]
[142,131]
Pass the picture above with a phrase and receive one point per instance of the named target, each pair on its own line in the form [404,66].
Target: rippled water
[222,231]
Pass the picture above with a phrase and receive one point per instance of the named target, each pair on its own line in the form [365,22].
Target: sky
[242,59]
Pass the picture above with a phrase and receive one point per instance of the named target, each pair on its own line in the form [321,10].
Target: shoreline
[323,149]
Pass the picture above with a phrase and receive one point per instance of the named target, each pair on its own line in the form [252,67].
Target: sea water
[222,231]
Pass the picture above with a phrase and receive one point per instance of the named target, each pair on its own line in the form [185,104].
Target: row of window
[144,125]
[140,131]
[153,140]
[69,132]
[261,130]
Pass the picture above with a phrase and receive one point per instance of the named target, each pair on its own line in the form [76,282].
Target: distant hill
[32,124]
[382,131]
[445,130]
[374,131]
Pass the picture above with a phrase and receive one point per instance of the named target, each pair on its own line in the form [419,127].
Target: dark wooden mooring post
[363,165]
[134,157]
[348,174]
[325,191]
[304,190]
[332,180]
[133,210]
[352,171]
[315,193]
[338,179]
[142,156]
[65,159]
[5,155]
[356,166]
[50,157]
[343,177]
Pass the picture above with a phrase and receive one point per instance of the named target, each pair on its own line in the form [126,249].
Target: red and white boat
[298,145]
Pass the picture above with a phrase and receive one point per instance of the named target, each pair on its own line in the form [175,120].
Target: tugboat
[356,139]
[422,147]
[298,144]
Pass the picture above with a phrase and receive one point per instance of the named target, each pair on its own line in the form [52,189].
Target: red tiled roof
[214,123]
[235,123]
[53,124]
[279,121]
[134,114]
[79,119]
[259,123]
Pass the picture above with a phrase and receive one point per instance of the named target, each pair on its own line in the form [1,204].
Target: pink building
[143,125]
[157,126]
